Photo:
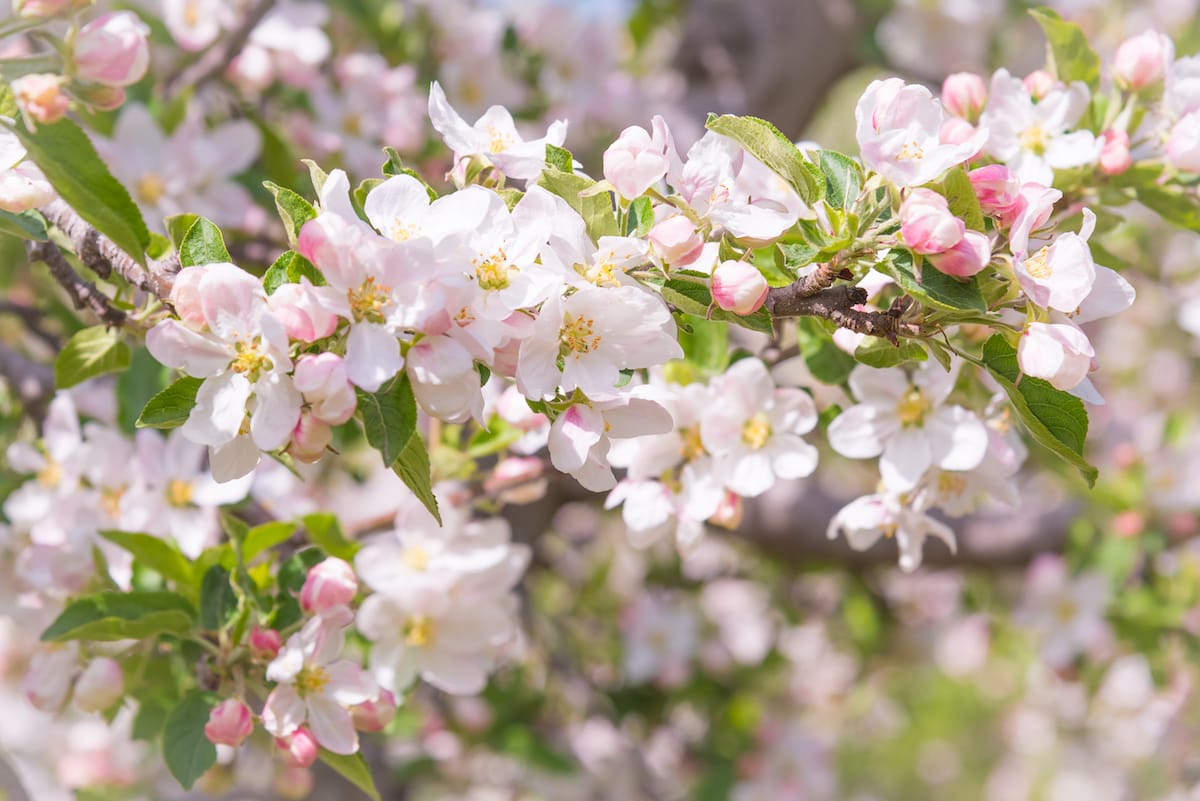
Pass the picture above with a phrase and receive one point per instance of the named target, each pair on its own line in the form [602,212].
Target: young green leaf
[108,616]
[26,225]
[764,141]
[294,211]
[326,533]
[1070,56]
[596,210]
[389,416]
[353,769]
[90,352]
[933,287]
[218,601]
[177,227]
[876,352]
[187,752]
[202,244]
[843,178]
[287,269]
[159,555]
[640,217]
[171,407]
[268,535]
[961,198]
[414,470]
[559,158]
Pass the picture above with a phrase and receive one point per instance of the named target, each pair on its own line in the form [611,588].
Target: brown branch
[213,61]
[83,293]
[837,304]
[100,255]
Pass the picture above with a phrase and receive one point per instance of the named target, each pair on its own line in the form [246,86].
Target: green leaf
[640,218]
[389,416]
[73,167]
[136,386]
[414,470]
[316,175]
[827,362]
[294,211]
[108,616]
[218,601]
[171,407]
[1176,207]
[559,158]
[161,556]
[765,142]
[26,225]
[287,269]
[177,227]
[187,752]
[596,210]
[934,287]
[875,352]
[961,198]
[325,532]
[353,769]
[268,535]
[202,244]
[707,345]
[1056,419]
[359,196]
[1068,53]
[770,262]
[843,178]
[90,352]
[695,299]
[492,440]
[150,719]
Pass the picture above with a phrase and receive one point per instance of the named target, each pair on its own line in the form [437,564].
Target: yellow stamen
[756,431]
[419,631]
[1038,265]
[576,336]
[416,558]
[1034,139]
[179,493]
[368,301]
[911,151]
[50,475]
[912,408]
[150,188]
[493,272]
[311,680]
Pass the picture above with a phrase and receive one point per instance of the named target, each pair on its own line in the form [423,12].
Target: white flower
[579,437]
[864,520]
[1067,613]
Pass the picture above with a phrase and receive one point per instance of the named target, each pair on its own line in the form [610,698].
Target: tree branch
[83,293]
[100,255]
[838,305]
[214,60]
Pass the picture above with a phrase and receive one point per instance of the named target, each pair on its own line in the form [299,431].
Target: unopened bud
[100,685]
[964,95]
[229,723]
[299,748]
[1142,60]
[1039,83]
[330,583]
[1115,157]
[41,96]
[739,287]
[375,715]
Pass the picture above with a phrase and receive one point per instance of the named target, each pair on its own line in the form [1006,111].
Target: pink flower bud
[1039,83]
[739,287]
[100,685]
[322,379]
[310,438]
[964,95]
[1115,157]
[515,480]
[1142,60]
[729,512]
[1060,353]
[229,723]
[185,296]
[956,131]
[41,96]
[24,187]
[676,240]
[308,312]
[265,642]
[637,160]
[927,224]
[966,258]
[330,583]
[998,190]
[375,715]
[113,49]
[299,748]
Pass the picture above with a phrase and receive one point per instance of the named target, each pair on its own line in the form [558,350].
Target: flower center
[401,232]
[191,14]
[952,484]
[352,124]
[693,446]
[603,273]
[493,272]
[416,558]
[311,680]
[576,335]
[50,475]
[179,493]
[912,408]
[1065,610]
[498,141]
[368,301]
[150,188]
[418,631]
[911,151]
[756,431]
[250,360]
[1034,139]
[1038,265]
[110,500]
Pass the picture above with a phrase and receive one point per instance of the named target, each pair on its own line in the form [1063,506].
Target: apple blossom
[1183,144]
[321,378]
[1142,60]
[47,8]
[638,160]
[1039,83]
[41,97]
[376,714]
[265,642]
[229,723]
[739,287]
[865,520]
[964,95]
[331,583]
[1059,353]
[100,685]
[113,49]
[966,257]
[1115,157]
[308,312]
[927,224]
[580,437]
[300,747]
[676,240]
[1067,613]
[52,671]
[1060,274]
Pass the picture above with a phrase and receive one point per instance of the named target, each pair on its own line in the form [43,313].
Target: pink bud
[330,583]
[299,748]
[729,512]
[310,438]
[956,131]
[322,379]
[229,723]
[1115,157]
[265,642]
[100,685]
[1058,352]
[185,296]
[637,160]
[739,287]
[676,240]
[113,49]
[1129,523]
[964,95]
[41,96]
[966,258]
[375,715]
[998,190]
[48,679]
[1039,83]
[927,224]
[515,480]
[308,312]
[1142,60]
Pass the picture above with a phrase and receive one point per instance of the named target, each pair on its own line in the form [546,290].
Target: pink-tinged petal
[232,300]
[452,673]
[638,418]
[748,474]
[905,459]
[573,435]
[276,411]
[284,711]
[859,432]
[721,428]
[596,475]
[178,346]
[372,356]
[958,438]
[459,136]
[234,459]
[349,684]
[332,725]
[219,411]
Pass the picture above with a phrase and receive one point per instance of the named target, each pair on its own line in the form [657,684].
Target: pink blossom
[41,96]
[229,723]
[1183,145]
[308,312]
[321,378]
[100,685]
[48,8]
[638,159]
[967,257]
[739,287]
[1115,157]
[299,748]
[676,240]
[310,438]
[376,714]
[329,583]
[265,642]
[1057,352]
[1039,83]
[964,95]
[998,190]
[113,49]
[1142,60]
[927,224]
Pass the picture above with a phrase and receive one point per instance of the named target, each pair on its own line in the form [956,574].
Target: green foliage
[218,601]
[1068,53]
[705,344]
[294,211]
[843,178]
[596,208]
[325,532]
[177,227]
[89,353]
[763,140]
[353,769]
[268,535]
[640,217]
[136,386]
[389,416]
[933,287]
[414,470]
[1056,419]
[694,298]
[160,555]
[879,353]
[107,616]
[170,407]
[559,158]
[288,269]
[26,225]
[826,361]
[202,244]
[961,198]
[186,750]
